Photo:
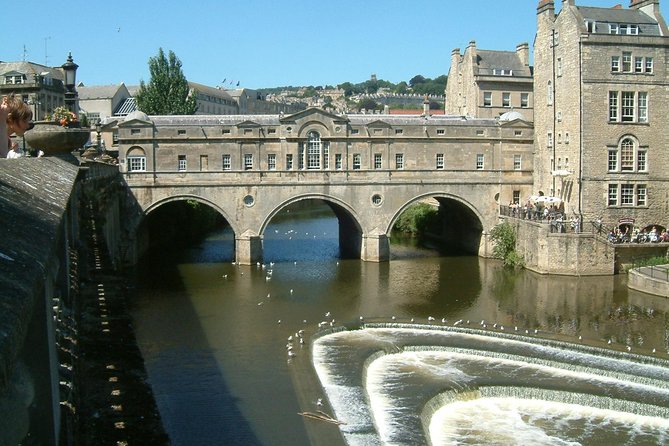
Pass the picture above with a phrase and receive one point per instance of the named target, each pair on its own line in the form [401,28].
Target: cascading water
[406,384]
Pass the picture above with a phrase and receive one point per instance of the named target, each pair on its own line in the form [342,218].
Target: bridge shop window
[136,160]
[316,155]
[182,165]
[479,161]
[271,161]
[399,161]
[227,162]
[248,161]
[289,161]
[357,161]
[338,161]
[378,161]
[440,161]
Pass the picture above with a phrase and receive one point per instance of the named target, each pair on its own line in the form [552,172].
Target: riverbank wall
[650,279]
[62,242]
[569,253]
[576,253]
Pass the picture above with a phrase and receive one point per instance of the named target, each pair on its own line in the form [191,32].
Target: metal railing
[556,220]
[660,272]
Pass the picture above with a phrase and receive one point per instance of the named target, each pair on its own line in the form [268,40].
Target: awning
[544,199]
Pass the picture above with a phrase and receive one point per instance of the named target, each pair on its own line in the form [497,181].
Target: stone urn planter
[54,139]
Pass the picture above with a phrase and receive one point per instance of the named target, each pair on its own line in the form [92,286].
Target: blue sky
[268,43]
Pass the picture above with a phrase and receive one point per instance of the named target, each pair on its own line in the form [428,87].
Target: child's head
[19,114]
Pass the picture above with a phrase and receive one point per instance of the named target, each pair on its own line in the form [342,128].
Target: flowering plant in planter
[64,117]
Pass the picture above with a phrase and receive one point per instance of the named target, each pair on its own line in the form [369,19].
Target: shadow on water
[203,411]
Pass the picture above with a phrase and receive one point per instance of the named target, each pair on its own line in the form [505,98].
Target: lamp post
[98,129]
[70,70]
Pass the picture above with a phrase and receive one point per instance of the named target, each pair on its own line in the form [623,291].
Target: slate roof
[34,193]
[29,68]
[98,91]
[616,15]
[211,91]
[648,26]
[354,119]
[488,60]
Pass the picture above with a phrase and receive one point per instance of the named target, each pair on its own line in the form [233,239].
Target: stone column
[248,248]
[375,247]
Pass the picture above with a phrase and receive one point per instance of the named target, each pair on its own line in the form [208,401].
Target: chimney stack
[523,52]
[546,5]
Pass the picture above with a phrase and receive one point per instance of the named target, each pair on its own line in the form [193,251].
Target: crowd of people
[654,235]
[553,214]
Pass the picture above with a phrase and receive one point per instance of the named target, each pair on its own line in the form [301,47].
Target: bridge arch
[462,229]
[155,205]
[350,230]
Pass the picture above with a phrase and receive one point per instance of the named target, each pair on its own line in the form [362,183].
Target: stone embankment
[650,279]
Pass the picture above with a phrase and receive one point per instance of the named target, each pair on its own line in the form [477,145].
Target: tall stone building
[487,84]
[602,111]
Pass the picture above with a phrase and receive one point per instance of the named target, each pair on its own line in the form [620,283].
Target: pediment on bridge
[248,124]
[379,124]
[312,114]
[520,123]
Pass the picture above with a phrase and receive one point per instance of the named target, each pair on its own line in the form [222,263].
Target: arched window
[628,156]
[136,159]
[313,150]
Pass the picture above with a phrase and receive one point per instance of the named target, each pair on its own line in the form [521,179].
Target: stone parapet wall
[567,254]
[651,280]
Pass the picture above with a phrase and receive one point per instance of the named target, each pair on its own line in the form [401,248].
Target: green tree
[503,237]
[416,80]
[369,104]
[167,92]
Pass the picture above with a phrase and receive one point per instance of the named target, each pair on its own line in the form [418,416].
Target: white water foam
[512,421]
[385,400]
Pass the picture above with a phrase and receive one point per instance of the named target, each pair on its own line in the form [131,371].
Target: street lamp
[98,129]
[70,70]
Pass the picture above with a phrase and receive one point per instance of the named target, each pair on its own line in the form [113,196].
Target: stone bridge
[367,204]
[367,168]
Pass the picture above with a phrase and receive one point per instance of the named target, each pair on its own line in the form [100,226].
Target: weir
[417,384]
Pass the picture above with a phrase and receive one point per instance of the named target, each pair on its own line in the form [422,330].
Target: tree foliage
[369,104]
[418,219]
[503,238]
[167,92]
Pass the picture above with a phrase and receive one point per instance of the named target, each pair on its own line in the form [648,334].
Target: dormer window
[630,30]
[590,26]
[502,72]
[613,28]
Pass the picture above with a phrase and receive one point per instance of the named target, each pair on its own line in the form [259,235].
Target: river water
[214,334]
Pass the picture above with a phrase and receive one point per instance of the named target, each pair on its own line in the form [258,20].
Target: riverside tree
[167,92]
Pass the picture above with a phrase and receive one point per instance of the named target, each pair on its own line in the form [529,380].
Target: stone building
[40,86]
[487,84]
[318,140]
[602,111]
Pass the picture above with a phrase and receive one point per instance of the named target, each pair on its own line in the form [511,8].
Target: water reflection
[214,333]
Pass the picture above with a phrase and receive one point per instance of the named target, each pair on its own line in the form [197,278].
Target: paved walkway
[650,279]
